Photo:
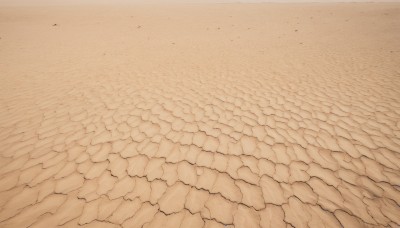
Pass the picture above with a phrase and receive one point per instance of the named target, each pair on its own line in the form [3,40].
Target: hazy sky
[74,2]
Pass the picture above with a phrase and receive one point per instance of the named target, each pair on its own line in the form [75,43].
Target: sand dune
[244,115]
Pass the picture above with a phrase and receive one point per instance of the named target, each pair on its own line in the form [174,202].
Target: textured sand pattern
[200,116]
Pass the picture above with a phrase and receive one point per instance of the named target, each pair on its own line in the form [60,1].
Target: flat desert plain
[200,115]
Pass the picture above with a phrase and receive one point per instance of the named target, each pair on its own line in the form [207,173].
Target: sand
[200,115]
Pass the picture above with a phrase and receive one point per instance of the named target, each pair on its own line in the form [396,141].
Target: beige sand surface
[219,115]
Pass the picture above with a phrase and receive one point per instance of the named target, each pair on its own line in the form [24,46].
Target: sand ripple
[163,135]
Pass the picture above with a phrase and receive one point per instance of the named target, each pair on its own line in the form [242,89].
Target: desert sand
[200,115]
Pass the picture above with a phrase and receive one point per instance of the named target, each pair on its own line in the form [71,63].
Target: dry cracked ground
[229,115]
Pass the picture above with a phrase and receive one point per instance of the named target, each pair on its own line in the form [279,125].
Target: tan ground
[200,116]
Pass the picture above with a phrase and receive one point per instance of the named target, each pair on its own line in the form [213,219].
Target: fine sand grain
[208,115]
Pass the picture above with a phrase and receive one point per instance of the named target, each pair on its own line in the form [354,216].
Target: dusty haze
[208,115]
[130,2]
